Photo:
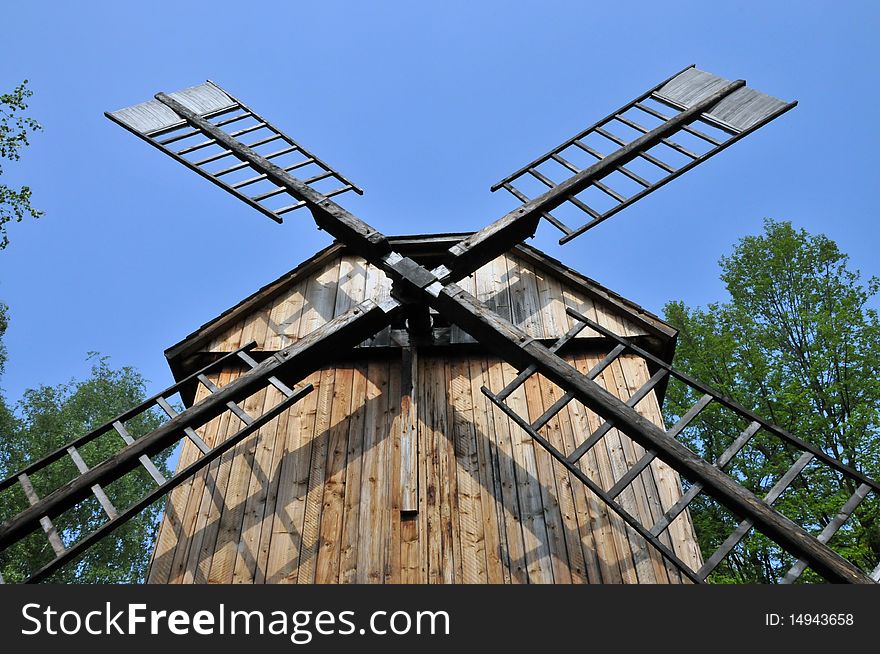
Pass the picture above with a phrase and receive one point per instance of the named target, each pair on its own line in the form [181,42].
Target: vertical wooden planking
[288,513]
[261,480]
[626,559]
[279,452]
[234,497]
[176,529]
[535,536]
[429,460]
[448,488]
[559,483]
[408,437]
[491,494]
[286,315]
[327,568]
[545,483]
[621,457]
[474,566]
[666,482]
[586,514]
[604,547]
[212,501]
[373,504]
[351,513]
[193,529]
[513,515]
[393,534]
[314,499]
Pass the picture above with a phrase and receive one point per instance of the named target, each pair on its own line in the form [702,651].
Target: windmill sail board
[683,145]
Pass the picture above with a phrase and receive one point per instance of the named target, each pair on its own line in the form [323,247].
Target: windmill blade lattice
[162,123]
[643,146]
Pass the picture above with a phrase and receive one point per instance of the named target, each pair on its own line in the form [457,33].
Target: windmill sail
[640,147]
[196,127]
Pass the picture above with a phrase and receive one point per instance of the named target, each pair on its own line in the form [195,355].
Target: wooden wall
[519,291]
[315,495]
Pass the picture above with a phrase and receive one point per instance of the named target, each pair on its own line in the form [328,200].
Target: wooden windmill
[440,408]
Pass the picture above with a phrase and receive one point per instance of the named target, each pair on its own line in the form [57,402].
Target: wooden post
[409,454]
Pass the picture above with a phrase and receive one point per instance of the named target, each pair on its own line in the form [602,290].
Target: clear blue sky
[424,105]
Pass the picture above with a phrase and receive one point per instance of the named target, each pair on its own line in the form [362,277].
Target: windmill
[670,129]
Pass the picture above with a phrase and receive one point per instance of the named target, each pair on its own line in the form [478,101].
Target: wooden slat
[45,522]
[98,492]
[743,528]
[829,530]
[146,462]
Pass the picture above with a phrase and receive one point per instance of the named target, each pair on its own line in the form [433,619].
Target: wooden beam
[409,455]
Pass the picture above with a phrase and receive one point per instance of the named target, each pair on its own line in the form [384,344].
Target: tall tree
[798,342]
[15,203]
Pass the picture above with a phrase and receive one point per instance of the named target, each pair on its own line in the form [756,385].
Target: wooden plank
[545,479]
[616,533]
[278,445]
[474,567]
[644,484]
[286,544]
[373,504]
[492,493]
[537,554]
[448,486]
[580,524]
[623,456]
[600,516]
[393,534]
[682,537]
[567,507]
[182,508]
[512,515]
[348,565]
[318,468]
[194,563]
[327,567]
[262,478]
[408,438]
[234,497]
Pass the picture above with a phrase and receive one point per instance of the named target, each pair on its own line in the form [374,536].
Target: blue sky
[424,105]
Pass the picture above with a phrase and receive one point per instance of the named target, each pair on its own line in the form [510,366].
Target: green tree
[798,343]
[15,127]
[48,417]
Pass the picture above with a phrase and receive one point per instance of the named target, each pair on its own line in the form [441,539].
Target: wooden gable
[524,286]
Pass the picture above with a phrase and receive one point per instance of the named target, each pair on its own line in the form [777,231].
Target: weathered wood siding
[530,297]
[315,495]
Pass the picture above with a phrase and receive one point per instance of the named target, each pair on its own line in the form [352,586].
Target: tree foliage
[798,343]
[15,127]
[48,417]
